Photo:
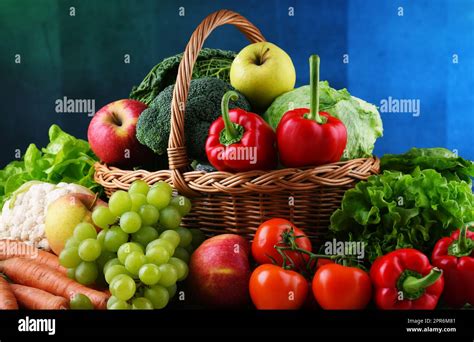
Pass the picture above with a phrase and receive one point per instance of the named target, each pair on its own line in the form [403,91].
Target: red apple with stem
[112,134]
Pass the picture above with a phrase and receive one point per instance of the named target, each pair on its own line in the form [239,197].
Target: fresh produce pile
[402,239]
[289,276]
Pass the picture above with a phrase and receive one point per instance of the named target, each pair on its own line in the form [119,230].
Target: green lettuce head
[361,119]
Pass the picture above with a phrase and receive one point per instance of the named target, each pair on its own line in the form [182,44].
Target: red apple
[220,271]
[111,134]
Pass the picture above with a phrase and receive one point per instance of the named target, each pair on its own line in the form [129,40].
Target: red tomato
[269,234]
[322,261]
[337,287]
[274,288]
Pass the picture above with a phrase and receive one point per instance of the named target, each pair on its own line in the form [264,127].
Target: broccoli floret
[202,108]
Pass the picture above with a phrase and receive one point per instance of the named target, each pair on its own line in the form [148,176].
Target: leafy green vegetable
[65,159]
[202,108]
[210,63]
[395,210]
[361,119]
[440,159]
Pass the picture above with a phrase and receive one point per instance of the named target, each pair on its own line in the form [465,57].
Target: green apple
[261,72]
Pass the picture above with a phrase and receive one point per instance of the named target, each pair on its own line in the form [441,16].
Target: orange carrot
[36,299]
[7,298]
[31,273]
[17,249]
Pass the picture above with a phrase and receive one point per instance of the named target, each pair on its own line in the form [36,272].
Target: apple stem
[96,197]
[314,90]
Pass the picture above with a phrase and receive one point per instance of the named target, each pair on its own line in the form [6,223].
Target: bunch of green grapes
[141,251]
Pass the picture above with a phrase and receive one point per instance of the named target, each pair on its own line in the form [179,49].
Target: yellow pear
[64,214]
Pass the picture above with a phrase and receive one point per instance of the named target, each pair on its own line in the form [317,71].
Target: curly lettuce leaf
[395,210]
[64,159]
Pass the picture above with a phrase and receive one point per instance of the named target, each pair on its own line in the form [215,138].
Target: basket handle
[177,157]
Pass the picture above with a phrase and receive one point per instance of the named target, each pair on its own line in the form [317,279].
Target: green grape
[162,243]
[86,273]
[159,198]
[101,237]
[119,305]
[185,236]
[181,203]
[170,218]
[84,231]
[120,202]
[163,186]
[128,248]
[114,271]
[182,254]
[71,242]
[172,290]
[158,296]
[157,255]
[142,303]
[181,268]
[149,214]
[89,249]
[103,217]
[145,235]
[71,273]
[123,287]
[114,238]
[130,222]
[139,187]
[110,263]
[112,300]
[81,302]
[169,275]
[172,236]
[137,201]
[134,261]
[149,274]
[69,257]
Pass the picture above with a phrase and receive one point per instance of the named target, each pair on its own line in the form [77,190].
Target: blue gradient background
[409,57]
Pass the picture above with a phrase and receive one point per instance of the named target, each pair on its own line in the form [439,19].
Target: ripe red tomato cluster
[273,287]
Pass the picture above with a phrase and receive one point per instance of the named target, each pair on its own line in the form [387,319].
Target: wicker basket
[224,202]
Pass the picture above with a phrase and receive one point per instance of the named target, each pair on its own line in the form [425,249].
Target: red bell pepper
[307,137]
[455,256]
[404,279]
[240,141]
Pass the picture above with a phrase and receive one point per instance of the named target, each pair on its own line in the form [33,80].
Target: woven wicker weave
[238,203]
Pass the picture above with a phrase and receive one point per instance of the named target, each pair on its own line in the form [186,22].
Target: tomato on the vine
[274,288]
[269,234]
[338,287]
